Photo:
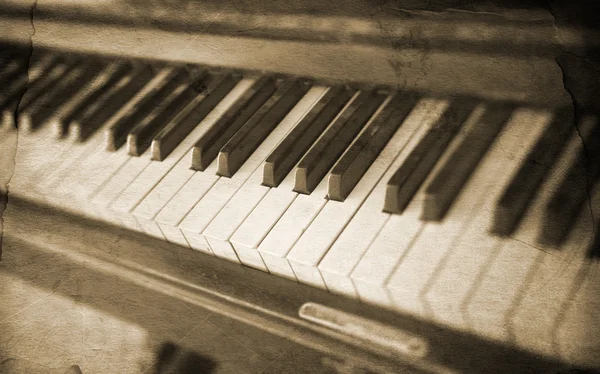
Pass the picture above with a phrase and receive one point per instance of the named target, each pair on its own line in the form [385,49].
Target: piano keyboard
[475,215]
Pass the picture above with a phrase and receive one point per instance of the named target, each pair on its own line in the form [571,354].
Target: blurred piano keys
[447,176]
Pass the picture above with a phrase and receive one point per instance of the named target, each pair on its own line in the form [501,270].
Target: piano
[403,188]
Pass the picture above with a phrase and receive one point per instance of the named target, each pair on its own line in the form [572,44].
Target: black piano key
[409,177]
[65,89]
[517,197]
[124,122]
[351,167]
[112,98]
[11,70]
[572,195]
[21,81]
[321,157]
[140,137]
[169,137]
[237,150]
[108,77]
[35,95]
[448,183]
[208,146]
[287,154]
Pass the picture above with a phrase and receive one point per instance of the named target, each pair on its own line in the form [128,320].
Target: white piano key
[547,286]
[150,176]
[156,199]
[267,218]
[92,173]
[292,224]
[185,198]
[331,221]
[577,331]
[30,147]
[197,241]
[86,174]
[172,234]
[225,188]
[517,255]
[184,201]
[31,152]
[252,192]
[353,242]
[265,215]
[451,286]
[289,228]
[71,183]
[131,168]
[58,150]
[109,185]
[61,164]
[398,233]
[8,145]
[151,228]
[155,171]
[549,292]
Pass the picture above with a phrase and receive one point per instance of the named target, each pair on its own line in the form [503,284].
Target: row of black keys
[330,138]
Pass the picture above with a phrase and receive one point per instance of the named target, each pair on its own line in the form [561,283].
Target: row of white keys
[121,171]
[122,191]
[27,117]
[63,153]
[33,146]
[237,210]
[399,230]
[462,261]
[150,172]
[289,228]
[173,169]
[491,303]
[224,189]
[73,151]
[292,222]
[577,330]
[551,279]
[84,175]
[184,200]
[166,206]
[345,253]
[261,220]
[8,148]
[267,235]
[314,243]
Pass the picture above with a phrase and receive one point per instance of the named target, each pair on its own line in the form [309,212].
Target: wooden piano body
[480,302]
